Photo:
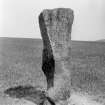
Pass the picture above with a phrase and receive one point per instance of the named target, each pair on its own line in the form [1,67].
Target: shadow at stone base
[30,93]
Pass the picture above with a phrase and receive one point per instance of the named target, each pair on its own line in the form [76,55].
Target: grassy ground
[20,64]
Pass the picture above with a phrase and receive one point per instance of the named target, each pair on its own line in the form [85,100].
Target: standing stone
[55,26]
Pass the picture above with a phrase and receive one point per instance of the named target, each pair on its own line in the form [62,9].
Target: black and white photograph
[52,52]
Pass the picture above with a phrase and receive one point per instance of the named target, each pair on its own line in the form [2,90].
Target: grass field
[20,64]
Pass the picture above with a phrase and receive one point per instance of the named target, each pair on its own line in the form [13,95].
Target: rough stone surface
[55,26]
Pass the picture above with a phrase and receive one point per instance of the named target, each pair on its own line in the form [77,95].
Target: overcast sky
[19,18]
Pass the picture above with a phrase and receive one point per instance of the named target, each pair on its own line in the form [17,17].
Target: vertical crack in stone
[55,26]
[48,62]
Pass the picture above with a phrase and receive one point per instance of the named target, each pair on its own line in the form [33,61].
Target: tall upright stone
[55,26]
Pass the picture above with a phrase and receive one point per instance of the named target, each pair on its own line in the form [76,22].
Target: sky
[19,18]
